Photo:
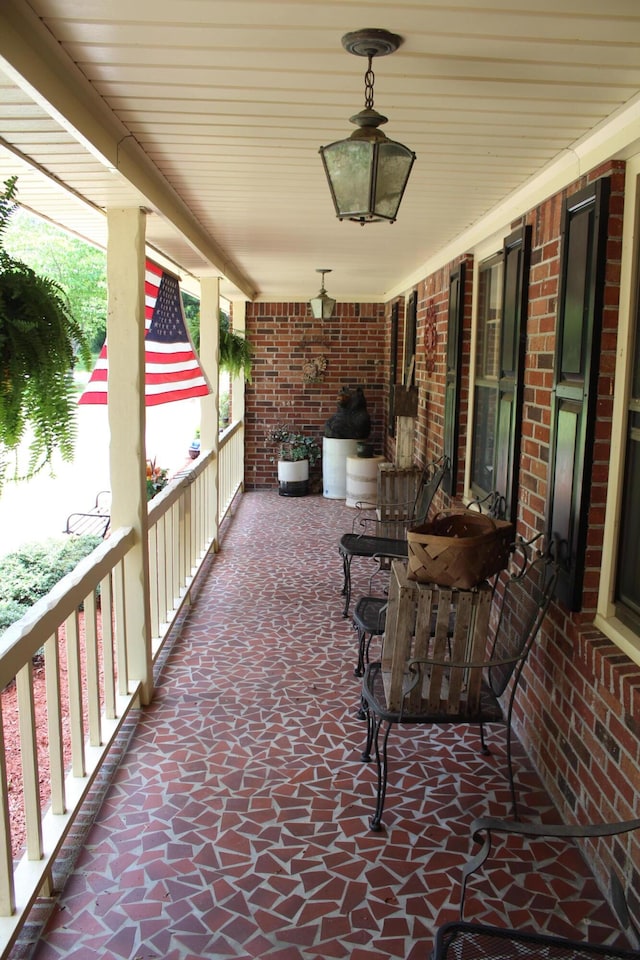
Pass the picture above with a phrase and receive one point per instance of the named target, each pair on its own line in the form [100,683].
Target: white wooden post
[209,347]
[237,384]
[127,453]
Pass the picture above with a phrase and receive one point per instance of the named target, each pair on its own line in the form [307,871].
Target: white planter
[334,466]
[293,478]
[362,480]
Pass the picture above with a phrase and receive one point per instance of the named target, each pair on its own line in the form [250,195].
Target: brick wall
[285,337]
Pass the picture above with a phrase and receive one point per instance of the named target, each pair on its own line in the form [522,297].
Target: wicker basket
[458,549]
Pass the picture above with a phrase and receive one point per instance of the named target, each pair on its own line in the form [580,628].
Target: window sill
[621,635]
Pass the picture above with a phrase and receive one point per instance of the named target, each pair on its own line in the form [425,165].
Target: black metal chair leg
[483,744]
[368,716]
[512,785]
[363,714]
[375,822]
[359,669]
[346,587]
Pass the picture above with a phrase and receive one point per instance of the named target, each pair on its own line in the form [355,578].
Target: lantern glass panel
[348,164]
[393,169]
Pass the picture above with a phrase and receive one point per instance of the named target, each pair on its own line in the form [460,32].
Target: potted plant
[157,479]
[297,451]
[39,340]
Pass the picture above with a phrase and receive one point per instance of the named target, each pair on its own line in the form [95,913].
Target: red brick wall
[284,337]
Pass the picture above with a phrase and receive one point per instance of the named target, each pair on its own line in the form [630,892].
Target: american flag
[172,368]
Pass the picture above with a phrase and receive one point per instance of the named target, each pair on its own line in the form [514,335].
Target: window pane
[484,426]
[629,567]
[489,317]
[487,375]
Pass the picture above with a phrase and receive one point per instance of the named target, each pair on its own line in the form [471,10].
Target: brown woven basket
[458,549]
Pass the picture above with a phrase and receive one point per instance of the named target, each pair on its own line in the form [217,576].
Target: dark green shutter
[584,235]
[452,382]
[410,320]
[515,294]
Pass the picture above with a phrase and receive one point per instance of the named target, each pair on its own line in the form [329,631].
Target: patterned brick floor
[236,824]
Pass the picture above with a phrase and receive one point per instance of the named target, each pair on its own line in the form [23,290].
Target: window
[487,374]
[503,284]
[628,581]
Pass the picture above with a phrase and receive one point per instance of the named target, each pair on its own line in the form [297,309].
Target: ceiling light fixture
[322,306]
[367,172]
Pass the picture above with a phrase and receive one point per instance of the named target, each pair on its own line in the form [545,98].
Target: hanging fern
[235,351]
[38,341]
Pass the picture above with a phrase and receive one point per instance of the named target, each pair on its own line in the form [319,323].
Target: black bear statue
[351,421]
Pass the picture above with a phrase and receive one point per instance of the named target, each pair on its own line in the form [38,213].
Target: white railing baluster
[29,755]
[92,669]
[74,686]
[54,722]
[108,660]
[154,599]
[122,664]
[7,892]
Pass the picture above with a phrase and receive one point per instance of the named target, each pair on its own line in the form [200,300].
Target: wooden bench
[94,522]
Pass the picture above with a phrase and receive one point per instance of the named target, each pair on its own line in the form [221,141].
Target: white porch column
[127,455]
[237,385]
[209,345]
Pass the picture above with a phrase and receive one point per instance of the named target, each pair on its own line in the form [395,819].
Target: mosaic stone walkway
[236,825]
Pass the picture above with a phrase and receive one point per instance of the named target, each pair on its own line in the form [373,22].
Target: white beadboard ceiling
[209,113]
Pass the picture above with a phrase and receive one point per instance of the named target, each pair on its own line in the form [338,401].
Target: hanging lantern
[322,306]
[367,172]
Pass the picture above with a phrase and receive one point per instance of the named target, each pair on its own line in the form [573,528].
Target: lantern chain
[369,80]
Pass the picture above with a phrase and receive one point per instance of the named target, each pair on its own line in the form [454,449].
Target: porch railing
[78,638]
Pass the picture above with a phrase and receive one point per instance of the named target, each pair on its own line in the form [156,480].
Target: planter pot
[335,451]
[293,478]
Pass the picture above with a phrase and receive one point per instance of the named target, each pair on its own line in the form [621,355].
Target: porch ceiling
[210,113]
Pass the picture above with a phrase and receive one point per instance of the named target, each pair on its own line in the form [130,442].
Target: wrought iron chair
[372,545]
[463,940]
[441,664]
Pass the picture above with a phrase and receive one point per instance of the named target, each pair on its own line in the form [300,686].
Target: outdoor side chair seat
[460,940]
[369,548]
[372,546]
[465,940]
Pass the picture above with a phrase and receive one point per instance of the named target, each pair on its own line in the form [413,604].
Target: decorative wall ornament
[313,369]
[430,338]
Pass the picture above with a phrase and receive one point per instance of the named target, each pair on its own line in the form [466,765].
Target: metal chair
[463,940]
[440,662]
[373,546]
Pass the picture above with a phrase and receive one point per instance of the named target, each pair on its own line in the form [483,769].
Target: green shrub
[10,611]
[33,569]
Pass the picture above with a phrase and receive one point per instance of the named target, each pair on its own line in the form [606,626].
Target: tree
[79,269]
